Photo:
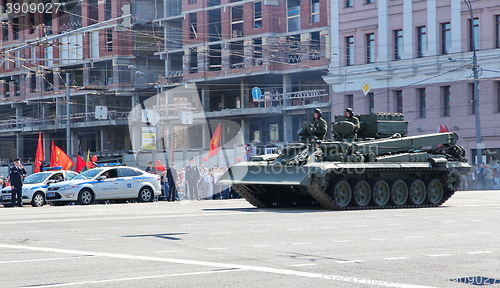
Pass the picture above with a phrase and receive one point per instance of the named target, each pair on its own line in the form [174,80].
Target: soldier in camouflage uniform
[319,125]
[349,114]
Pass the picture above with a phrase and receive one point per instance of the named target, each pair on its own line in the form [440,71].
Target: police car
[106,183]
[35,186]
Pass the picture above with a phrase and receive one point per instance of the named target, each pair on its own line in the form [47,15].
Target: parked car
[35,187]
[106,183]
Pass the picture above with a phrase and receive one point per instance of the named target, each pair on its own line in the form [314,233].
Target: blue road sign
[256,93]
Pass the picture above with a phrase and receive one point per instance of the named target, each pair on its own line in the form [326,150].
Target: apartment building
[416,58]
[228,47]
[107,56]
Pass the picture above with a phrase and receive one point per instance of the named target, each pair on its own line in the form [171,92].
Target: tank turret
[381,168]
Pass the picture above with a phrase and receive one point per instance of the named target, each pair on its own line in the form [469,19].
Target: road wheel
[434,192]
[399,192]
[417,192]
[362,193]
[38,200]
[85,197]
[381,193]
[146,194]
[342,193]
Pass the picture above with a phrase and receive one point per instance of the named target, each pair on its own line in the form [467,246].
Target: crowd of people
[482,177]
[193,182]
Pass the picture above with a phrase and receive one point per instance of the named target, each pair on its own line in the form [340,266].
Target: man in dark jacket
[192,179]
[349,114]
[16,174]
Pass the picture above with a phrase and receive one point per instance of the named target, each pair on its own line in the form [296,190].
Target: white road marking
[264,269]
[378,239]
[449,235]
[342,241]
[479,252]
[483,233]
[86,283]
[168,251]
[294,229]
[302,265]
[350,261]
[413,237]
[303,243]
[397,258]
[477,220]
[438,255]
[45,259]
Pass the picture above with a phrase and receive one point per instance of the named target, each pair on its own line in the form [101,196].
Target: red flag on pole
[52,155]
[80,163]
[215,142]
[39,157]
[59,158]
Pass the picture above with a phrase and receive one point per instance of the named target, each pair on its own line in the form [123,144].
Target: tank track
[326,201]
[251,197]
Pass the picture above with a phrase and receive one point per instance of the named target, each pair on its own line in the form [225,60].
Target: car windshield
[89,174]
[36,178]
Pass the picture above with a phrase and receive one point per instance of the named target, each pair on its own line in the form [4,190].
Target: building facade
[416,57]
[108,58]
[227,48]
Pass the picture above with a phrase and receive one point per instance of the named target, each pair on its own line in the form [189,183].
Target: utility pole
[479,144]
[68,117]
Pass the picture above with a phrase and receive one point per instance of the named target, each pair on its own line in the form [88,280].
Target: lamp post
[479,145]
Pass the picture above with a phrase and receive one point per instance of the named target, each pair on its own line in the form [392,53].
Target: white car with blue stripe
[106,183]
[35,187]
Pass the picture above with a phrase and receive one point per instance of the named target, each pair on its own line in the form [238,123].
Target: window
[349,45]
[15,27]
[109,40]
[370,48]
[371,103]
[445,90]
[236,21]
[398,44]
[314,11]
[349,101]
[315,46]
[193,60]
[445,38]
[193,24]
[5,32]
[474,34]
[497,30]
[349,3]
[421,103]
[107,10]
[257,52]
[274,132]
[370,1]
[293,15]
[421,41]
[498,96]
[398,94]
[257,15]
[472,101]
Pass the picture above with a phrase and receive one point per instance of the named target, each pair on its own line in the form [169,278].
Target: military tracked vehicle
[382,167]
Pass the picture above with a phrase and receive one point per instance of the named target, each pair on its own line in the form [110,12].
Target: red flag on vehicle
[80,163]
[39,157]
[59,158]
[215,142]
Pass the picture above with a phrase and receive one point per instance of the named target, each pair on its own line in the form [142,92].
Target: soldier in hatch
[353,119]
[319,125]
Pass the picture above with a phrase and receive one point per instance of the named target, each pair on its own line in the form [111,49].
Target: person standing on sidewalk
[16,175]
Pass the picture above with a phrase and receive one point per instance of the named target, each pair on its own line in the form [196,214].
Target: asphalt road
[229,243]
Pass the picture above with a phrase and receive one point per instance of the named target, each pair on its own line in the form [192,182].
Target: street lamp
[479,145]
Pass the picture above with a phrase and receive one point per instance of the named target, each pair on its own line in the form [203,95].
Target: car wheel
[38,200]
[85,197]
[146,194]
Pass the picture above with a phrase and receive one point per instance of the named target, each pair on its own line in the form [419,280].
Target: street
[229,243]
